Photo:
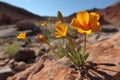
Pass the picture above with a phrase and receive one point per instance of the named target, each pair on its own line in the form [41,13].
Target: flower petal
[84,32]
[94,17]
[57,35]
[65,29]
[61,29]
[83,18]
[22,35]
[95,27]
[75,23]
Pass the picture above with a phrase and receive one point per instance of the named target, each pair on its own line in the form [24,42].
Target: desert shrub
[11,49]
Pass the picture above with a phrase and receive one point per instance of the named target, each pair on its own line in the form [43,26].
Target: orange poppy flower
[86,23]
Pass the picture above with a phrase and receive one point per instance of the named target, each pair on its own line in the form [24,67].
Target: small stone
[11,61]
[2,64]
[21,66]
[6,60]
[5,73]
[2,57]
[22,77]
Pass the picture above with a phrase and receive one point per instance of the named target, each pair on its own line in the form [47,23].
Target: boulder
[25,25]
[25,55]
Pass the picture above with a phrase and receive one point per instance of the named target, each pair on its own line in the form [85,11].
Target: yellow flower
[43,24]
[41,38]
[61,29]
[21,35]
[85,22]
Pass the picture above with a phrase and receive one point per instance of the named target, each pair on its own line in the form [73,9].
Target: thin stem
[84,50]
[51,28]
[71,43]
[51,48]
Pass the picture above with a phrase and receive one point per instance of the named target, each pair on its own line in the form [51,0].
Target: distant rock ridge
[11,14]
[14,14]
[111,13]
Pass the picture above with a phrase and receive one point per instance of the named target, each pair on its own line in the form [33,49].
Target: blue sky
[67,7]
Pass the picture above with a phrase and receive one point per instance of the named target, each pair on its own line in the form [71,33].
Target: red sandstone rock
[103,53]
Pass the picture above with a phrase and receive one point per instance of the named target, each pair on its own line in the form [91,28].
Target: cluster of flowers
[84,23]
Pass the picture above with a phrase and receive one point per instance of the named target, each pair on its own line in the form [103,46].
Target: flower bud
[43,24]
[60,17]
[41,38]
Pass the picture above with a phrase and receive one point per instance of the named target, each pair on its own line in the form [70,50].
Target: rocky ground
[28,64]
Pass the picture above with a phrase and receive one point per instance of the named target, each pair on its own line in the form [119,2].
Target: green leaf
[61,51]
[79,49]
[72,58]
[60,54]
[71,51]
[79,53]
[86,56]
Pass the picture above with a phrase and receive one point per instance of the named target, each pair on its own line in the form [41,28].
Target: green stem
[71,44]
[50,28]
[84,50]
[52,49]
